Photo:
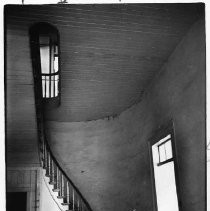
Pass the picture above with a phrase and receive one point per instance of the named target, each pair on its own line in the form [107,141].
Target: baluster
[51,169]
[44,161]
[85,208]
[61,192]
[70,196]
[62,179]
[44,154]
[43,151]
[41,146]
[52,173]
[67,193]
[73,200]
[56,178]
[59,182]
[65,190]
[47,163]
[78,202]
[60,185]
[82,205]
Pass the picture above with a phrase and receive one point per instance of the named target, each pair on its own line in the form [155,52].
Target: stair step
[65,203]
[56,190]
[60,197]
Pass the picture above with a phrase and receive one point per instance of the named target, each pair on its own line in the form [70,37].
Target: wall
[21,128]
[180,94]
[108,159]
[48,200]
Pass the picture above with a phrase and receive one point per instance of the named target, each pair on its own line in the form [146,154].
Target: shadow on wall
[47,201]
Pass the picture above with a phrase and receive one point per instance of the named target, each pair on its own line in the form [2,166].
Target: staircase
[67,192]
[70,198]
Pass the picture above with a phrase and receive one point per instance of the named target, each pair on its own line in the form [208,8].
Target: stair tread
[55,189]
[60,197]
[66,203]
[52,183]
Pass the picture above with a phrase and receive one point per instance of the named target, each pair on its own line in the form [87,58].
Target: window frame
[52,73]
[35,31]
[159,134]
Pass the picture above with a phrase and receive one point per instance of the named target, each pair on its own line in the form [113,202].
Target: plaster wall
[108,159]
[20,114]
[47,199]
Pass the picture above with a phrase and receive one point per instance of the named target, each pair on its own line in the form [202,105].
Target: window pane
[162,153]
[56,64]
[56,49]
[168,149]
[44,54]
[56,85]
[47,86]
[52,86]
[43,86]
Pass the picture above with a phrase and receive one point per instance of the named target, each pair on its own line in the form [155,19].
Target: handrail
[58,178]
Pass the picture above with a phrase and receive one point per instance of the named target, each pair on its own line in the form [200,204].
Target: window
[45,37]
[49,66]
[163,167]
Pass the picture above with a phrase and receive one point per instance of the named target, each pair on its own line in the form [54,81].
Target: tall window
[45,51]
[49,66]
[164,165]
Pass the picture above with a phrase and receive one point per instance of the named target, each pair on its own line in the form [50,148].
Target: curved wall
[108,159]
[20,110]
[48,199]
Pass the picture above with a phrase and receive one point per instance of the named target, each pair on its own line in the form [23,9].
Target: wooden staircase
[71,198]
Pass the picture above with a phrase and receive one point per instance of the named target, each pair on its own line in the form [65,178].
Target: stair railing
[65,188]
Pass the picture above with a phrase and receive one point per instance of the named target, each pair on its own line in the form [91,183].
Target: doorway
[16,201]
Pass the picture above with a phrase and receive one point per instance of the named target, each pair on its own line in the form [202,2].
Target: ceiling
[109,53]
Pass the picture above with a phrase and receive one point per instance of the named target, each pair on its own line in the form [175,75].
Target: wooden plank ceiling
[109,53]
